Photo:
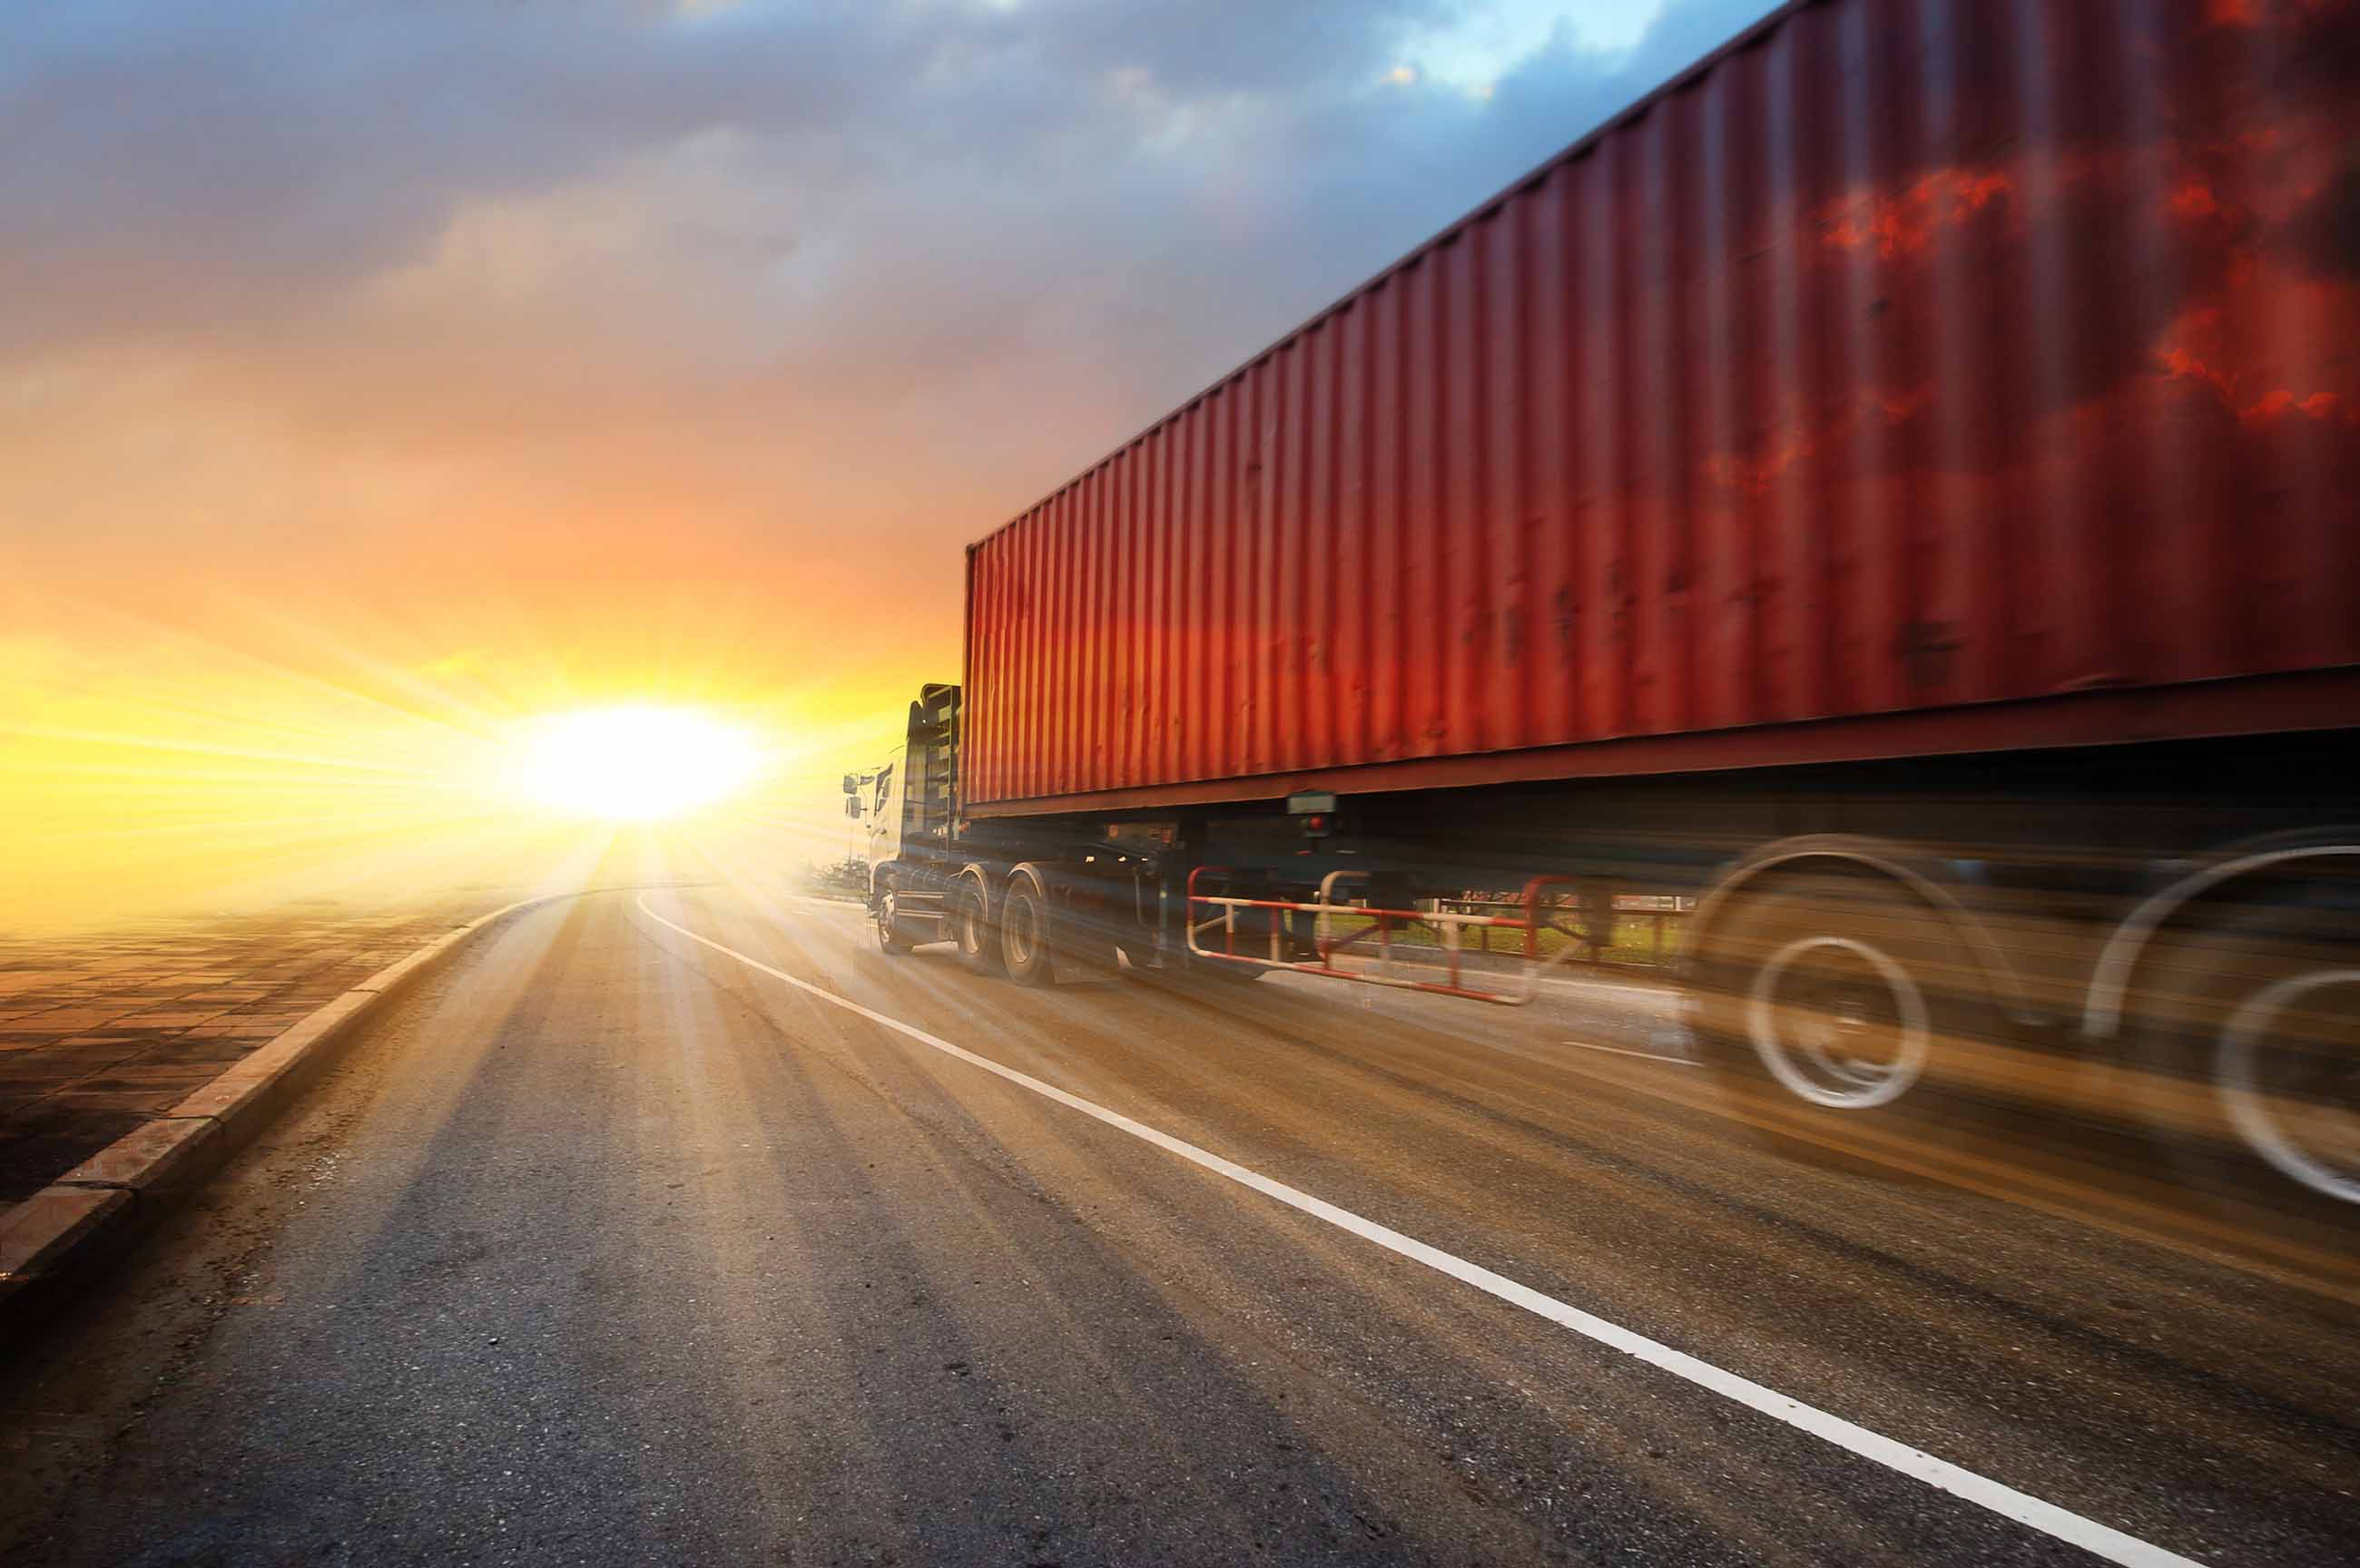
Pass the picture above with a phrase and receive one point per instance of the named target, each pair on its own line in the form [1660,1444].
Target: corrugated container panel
[1923,359]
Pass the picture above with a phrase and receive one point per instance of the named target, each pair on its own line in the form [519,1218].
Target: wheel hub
[2287,1072]
[1840,1023]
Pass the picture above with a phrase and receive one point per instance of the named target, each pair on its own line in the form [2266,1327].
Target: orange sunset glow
[333,447]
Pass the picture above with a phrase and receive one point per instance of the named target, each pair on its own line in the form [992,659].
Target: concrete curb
[94,1212]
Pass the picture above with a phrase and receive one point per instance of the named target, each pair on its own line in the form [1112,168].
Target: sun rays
[269,756]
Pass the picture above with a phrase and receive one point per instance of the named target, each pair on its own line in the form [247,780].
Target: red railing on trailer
[1445,923]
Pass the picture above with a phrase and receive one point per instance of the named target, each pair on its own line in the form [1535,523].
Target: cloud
[193,173]
[193,166]
[527,305]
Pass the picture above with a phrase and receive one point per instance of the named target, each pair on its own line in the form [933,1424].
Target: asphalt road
[607,1246]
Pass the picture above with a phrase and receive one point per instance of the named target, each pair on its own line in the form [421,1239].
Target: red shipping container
[1911,375]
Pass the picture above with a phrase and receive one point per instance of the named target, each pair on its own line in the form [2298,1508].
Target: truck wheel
[978,943]
[1833,1005]
[893,936]
[1025,917]
[2249,1065]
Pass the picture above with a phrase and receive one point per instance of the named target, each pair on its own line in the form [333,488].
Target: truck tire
[979,940]
[893,937]
[1838,1003]
[2247,1062]
[1027,949]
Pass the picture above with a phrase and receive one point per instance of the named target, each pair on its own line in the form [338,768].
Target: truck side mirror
[852,805]
[851,785]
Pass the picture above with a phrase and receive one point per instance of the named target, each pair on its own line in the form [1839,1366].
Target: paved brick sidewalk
[99,1033]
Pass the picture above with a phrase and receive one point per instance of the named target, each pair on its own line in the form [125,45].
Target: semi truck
[1894,485]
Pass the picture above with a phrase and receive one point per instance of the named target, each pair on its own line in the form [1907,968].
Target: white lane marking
[1612,1050]
[2062,1524]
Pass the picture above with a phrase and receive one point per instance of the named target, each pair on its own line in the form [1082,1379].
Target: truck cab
[876,800]
[911,802]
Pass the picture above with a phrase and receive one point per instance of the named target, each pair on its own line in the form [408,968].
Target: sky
[378,377]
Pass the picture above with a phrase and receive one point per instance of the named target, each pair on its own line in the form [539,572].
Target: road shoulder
[54,1240]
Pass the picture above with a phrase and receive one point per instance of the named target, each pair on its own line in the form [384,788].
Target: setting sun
[633,763]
